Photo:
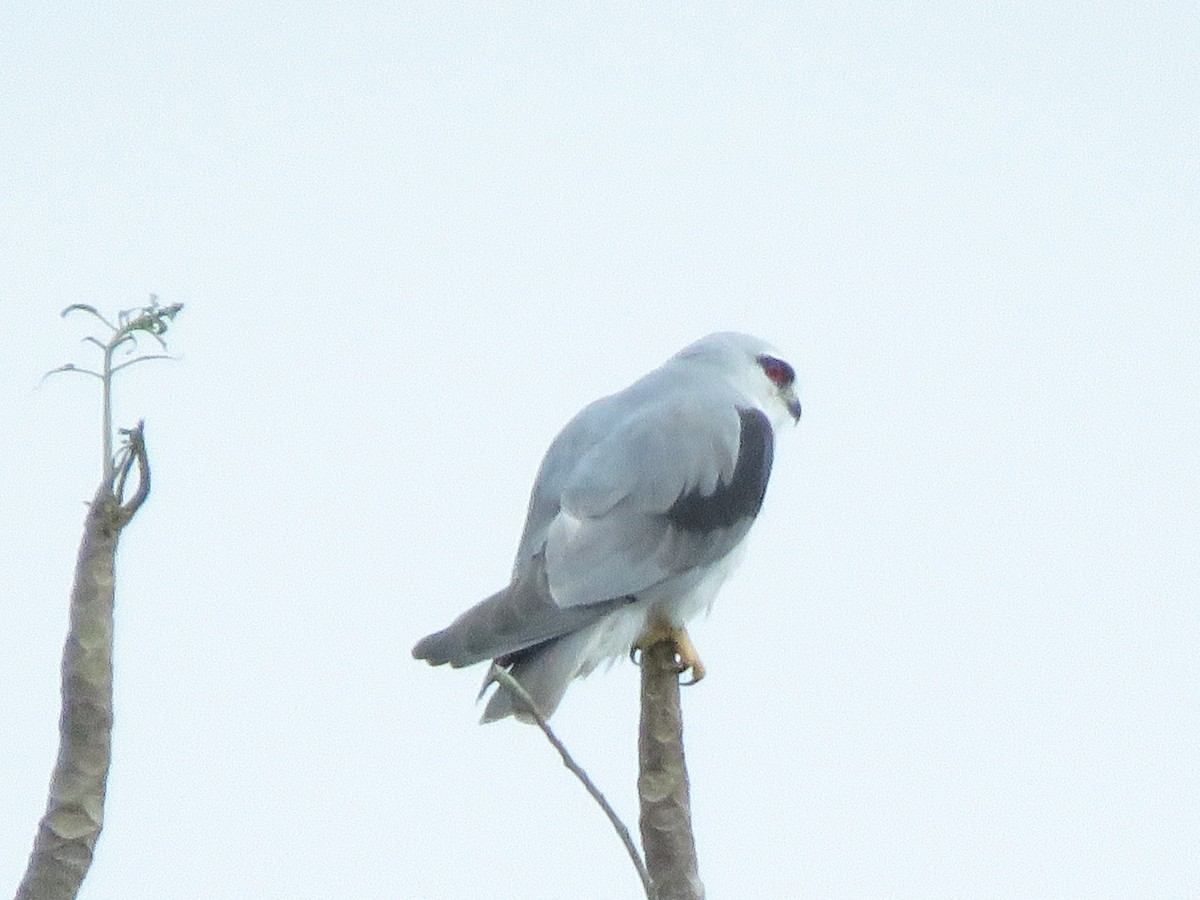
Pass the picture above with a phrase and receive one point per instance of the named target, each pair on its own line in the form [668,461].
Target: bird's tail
[521,617]
[521,627]
[543,671]
[470,638]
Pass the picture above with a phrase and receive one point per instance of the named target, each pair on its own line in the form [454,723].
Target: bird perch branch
[666,809]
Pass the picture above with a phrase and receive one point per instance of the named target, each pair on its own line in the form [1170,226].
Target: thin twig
[128,363]
[506,681]
[133,451]
[153,320]
[69,367]
[83,307]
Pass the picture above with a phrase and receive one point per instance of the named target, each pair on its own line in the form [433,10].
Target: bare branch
[506,681]
[83,307]
[134,450]
[666,809]
[128,363]
[69,367]
[67,835]
[152,320]
[66,838]
[122,338]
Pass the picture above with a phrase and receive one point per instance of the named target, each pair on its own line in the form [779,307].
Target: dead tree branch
[66,838]
[666,809]
[67,835]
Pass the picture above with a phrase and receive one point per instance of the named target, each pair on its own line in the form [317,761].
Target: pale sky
[960,658]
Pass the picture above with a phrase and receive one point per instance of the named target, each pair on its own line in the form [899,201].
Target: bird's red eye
[778,371]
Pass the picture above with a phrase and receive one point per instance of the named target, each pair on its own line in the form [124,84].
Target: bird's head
[754,368]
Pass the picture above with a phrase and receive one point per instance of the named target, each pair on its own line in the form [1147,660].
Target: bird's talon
[686,657]
[694,665]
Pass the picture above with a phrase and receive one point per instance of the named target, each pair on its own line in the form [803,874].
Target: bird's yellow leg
[686,655]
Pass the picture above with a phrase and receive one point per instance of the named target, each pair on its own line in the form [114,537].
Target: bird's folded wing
[675,487]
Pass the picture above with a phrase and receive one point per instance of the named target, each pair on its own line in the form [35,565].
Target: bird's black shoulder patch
[742,496]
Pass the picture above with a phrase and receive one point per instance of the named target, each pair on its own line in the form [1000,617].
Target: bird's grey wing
[675,487]
[520,616]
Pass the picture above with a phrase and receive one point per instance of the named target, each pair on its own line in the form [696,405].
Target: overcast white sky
[961,655]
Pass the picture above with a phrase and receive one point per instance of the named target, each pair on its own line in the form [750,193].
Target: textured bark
[666,810]
[66,838]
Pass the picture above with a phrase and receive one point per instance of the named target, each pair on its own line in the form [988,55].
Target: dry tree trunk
[666,809]
[62,851]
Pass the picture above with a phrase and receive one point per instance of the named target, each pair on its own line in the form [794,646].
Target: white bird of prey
[638,514]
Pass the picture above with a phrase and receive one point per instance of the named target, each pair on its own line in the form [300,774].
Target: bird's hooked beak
[791,401]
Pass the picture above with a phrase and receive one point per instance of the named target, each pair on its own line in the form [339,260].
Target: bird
[638,513]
